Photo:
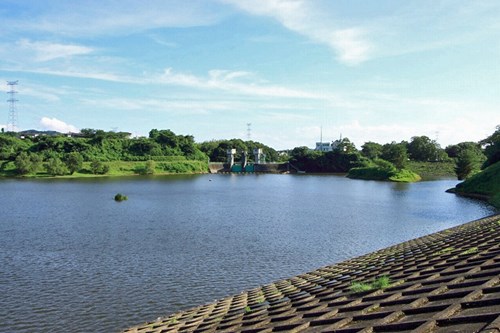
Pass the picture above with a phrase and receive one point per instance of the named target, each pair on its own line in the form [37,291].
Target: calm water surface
[72,259]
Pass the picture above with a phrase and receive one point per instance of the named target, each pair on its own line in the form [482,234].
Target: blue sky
[369,70]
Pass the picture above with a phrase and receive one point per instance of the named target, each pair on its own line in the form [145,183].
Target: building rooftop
[444,282]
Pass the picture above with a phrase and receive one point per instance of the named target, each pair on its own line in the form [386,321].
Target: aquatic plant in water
[120,197]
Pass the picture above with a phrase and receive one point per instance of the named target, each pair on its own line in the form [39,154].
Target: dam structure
[448,281]
[258,165]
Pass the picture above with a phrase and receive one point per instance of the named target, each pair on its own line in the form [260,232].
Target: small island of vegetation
[120,197]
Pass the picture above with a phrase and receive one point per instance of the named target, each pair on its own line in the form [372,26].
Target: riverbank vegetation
[392,161]
[486,183]
[383,170]
[93,153]
[96,152]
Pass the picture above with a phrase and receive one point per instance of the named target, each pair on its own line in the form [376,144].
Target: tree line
[469,157]
[61,154]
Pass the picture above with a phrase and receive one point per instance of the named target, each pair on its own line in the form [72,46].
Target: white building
[324,146]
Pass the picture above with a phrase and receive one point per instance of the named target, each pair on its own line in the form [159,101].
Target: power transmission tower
[249,131]
[12,121]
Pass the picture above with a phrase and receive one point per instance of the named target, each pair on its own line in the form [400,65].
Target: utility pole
[12,120]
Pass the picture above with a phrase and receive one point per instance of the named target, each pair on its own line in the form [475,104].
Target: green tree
[465,164]
[11,146]
[98,168]
[372,150]
[56,167]
[150,167]
[492,148]
[165,137]
[345,146]
[145,147]
[396,153]
[74,162]
[27,163]
[23,163]
[36,162]
[422,148]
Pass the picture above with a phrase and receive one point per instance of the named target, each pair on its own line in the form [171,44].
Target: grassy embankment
[118,168]
[432,170]
[483,185]
[383,170]
[377,173]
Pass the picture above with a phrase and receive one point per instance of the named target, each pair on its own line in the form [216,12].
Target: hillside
[485,184]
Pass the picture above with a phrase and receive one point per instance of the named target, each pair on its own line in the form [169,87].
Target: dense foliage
[94,152]
[62,154]
[383,170]
[468,157]
[103,146]
[485,183]
[342,159]
[422,148]
[492,148]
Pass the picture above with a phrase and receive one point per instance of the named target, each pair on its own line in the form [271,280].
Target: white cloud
[388,31]
[45,51]
[103,76]
[351,45]
[38,92]
[161,41]
[229,81]
[114,17]
[349,42]
[54,124]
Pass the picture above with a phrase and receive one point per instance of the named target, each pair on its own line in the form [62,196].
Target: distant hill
[33,132]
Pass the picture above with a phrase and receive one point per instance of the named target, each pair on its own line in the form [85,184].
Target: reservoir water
[72,259]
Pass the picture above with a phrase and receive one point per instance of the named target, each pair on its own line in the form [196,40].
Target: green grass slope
[484,184]
[432,170]
[116,168]
[379,173]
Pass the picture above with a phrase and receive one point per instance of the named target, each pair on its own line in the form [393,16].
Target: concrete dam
[244,166]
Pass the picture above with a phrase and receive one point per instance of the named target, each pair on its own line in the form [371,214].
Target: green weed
[443,251]
[380,283]
[470,251]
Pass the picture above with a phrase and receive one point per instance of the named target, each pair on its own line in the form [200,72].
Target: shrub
[74,162]
[56,167]
[23,163]
[99,168]
[150,167]
[120,197]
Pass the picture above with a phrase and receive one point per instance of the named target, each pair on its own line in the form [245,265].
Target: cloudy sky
[369,70]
